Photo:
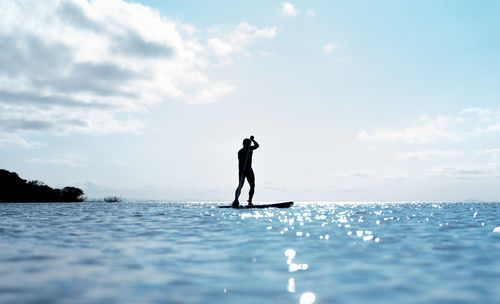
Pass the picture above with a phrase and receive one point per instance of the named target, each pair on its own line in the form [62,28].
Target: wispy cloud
[330,47]
[466,170]
[360,173]
[469,122]
[227,45]
[420,134]
[121,163]
[387,173]
[493,153]
[66,160]
[288,9]
[430,154]
[13,141]
[77,66]
[311,13]
[482,114]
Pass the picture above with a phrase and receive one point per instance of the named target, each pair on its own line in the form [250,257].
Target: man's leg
[251,182]
[241,181]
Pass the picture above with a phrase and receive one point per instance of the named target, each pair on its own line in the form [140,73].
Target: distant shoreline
[14,189]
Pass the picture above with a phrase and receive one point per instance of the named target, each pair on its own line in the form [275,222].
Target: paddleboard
[277,205]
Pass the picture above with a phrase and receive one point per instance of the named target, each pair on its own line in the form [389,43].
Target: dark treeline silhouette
[15,189]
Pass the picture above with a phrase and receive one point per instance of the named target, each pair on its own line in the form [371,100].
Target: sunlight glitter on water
[193,253]
[291,285]
[307,298]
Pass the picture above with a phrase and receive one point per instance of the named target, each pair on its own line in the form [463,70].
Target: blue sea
[160,252]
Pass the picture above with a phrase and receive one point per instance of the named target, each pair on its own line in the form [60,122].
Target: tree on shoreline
[15,189]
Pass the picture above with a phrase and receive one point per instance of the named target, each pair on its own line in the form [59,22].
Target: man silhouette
[245,170]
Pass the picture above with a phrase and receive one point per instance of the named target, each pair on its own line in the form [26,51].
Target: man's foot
[235,204]
[250,203]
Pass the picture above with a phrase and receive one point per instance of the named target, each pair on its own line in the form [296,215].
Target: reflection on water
[197,253]
[291,285]
[307,298]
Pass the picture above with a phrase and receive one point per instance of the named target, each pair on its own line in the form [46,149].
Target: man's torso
[242,156]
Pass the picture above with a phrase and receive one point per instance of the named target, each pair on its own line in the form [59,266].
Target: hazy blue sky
[349,100]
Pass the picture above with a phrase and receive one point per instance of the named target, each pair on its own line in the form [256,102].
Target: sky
[349,100]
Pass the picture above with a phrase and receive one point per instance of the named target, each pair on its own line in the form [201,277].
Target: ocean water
[196,253]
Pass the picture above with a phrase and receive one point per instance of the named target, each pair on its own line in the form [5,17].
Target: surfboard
[276,205]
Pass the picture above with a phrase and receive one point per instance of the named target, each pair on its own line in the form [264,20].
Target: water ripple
[197,253]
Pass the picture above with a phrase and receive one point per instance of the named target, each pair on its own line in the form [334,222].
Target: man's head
[246,142]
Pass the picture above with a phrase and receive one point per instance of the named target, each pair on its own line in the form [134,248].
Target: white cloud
[66,160]
[311,13]
[360,173]
[288,9]
[78,66]
[354,174]
[491,128]
[329,47]
[12,141]
[428,155]
[226,46]
[121,163]
[418,134]
[210,94]
[266,54]
[466,170]
[430,129]
[482,114]
[220,47]
[493,153]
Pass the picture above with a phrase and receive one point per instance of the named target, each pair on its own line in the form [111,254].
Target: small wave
[179,253]
[12,290]
[90,261]
[37,257]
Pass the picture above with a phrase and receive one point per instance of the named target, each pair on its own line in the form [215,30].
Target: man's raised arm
[255,144]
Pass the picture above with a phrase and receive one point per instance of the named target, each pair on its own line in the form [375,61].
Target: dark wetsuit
[245,171]
[248,172]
